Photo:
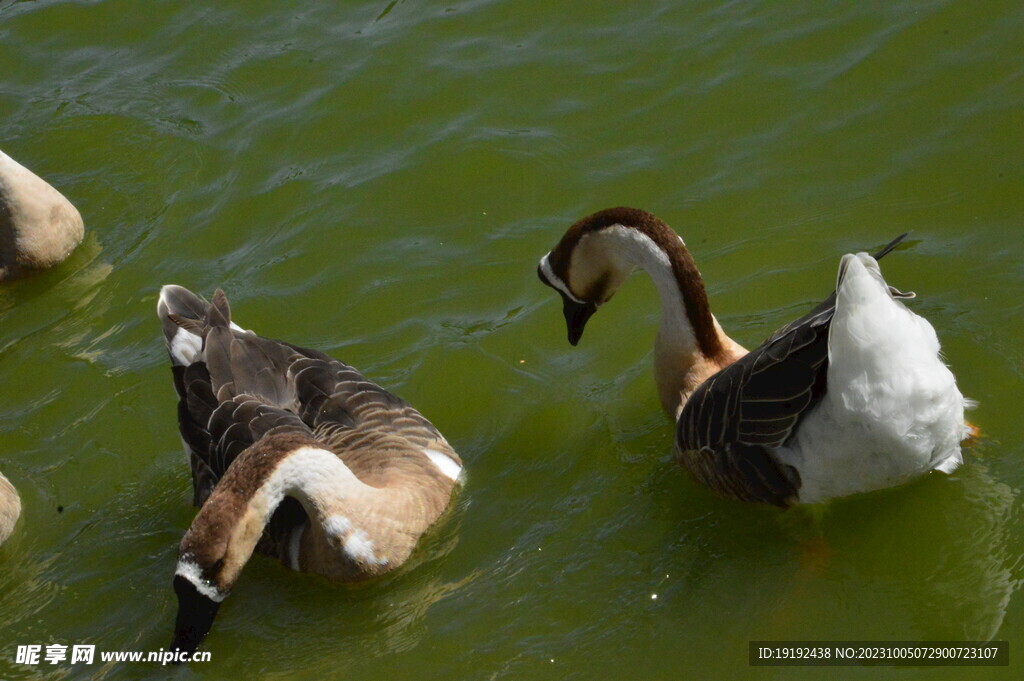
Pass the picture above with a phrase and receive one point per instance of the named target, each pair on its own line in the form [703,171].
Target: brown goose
[850,398]
[293,454]
[10,508]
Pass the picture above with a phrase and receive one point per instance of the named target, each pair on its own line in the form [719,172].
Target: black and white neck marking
[198,602]
[548,276]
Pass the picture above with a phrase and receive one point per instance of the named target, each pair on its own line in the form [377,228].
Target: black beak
[195,616]
[576,316]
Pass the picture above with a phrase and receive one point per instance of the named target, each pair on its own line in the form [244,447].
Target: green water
[378,179]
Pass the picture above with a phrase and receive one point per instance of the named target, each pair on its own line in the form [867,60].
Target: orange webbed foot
[973,434]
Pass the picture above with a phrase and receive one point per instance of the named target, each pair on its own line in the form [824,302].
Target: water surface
[378,179]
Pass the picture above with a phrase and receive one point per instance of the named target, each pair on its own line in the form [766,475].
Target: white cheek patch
[185,347]
[190,571]
[356,543]
[444,463]
[359,546]
[337,525]
[549,274]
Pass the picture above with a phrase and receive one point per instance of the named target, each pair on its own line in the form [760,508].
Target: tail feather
[951,463]
[885,365]
[191,325]
[180,300]
[888,248]
[218,314]
[180,311]
[187,319]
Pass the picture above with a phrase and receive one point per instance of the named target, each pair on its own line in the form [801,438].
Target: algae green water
[378,179]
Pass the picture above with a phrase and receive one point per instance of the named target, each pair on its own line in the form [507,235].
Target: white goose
[293,454]
[10,508]
[850,398]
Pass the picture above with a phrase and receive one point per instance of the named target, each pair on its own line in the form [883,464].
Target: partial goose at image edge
[10,508]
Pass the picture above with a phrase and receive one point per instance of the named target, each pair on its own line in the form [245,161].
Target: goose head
[590,262]
[199,598]
[224,535]
[587,266]
[598,253]
[211,557]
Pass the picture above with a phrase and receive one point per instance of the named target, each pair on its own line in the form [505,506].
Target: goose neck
[228,527]
[687,327]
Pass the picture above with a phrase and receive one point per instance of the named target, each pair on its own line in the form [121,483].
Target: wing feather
[246,386]
[730,426]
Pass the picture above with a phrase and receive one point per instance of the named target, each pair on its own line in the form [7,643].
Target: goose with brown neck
[10,508]
[596,256]
[850,398]
[293,454]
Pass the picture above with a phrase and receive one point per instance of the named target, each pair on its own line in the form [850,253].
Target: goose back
[236,388]
[242,387]
[730,429]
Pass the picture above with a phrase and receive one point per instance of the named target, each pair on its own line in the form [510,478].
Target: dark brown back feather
[250,386]
[728,429]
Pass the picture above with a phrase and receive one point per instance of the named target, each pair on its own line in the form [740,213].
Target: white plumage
[892,410]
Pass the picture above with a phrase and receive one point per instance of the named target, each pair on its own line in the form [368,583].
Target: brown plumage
[293,454]
[10,508]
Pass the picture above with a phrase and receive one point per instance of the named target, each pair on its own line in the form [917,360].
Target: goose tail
[182,315]
[885,363]
[891,246]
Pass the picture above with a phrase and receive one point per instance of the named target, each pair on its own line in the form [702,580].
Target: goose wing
[215,432]
[242,386]
[731,423]
[370,428]
[334,395]
[231,393]
[728,429]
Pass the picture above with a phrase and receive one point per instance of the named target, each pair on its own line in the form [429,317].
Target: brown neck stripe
[691,286]
[243,479]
